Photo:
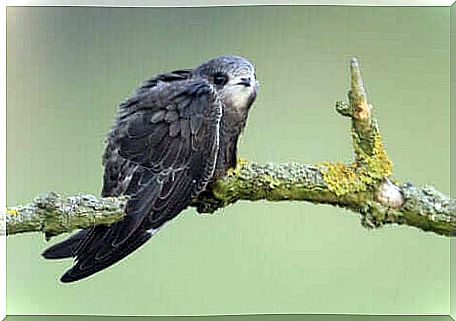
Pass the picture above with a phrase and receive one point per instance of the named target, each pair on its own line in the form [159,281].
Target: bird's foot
[208,203]
[239,165]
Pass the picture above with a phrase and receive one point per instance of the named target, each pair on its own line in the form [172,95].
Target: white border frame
[213,3]
[3,162]
[138,3]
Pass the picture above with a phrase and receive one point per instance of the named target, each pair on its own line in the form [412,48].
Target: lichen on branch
[371,165]
[51,214]
[363,186]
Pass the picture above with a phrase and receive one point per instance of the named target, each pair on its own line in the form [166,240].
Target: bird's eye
[220,79]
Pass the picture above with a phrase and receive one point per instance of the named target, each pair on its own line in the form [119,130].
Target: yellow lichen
[239,165]
[269,181]
[369,169]
[378,164]
[11,212]
[341,179]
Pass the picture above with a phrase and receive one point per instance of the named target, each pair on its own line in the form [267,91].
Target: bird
[171,140]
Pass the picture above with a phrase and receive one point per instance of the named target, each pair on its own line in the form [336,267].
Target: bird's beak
[245,82]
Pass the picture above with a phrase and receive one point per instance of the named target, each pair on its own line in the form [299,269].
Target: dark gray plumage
[176,135]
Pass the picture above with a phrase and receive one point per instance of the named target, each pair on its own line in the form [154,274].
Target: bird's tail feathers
[99,255]
[94,251]
[66,248]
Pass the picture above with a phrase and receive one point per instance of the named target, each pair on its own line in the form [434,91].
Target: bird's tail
[94,251]
[66,248]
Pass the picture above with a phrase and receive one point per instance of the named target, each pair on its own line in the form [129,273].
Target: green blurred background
[68,68]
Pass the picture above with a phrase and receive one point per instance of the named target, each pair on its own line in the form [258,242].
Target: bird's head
[233,78]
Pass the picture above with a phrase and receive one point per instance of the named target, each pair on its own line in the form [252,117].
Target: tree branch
[364,186]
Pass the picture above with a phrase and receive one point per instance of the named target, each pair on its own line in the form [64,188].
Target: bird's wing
[175,75]
[168,137]
[119,170]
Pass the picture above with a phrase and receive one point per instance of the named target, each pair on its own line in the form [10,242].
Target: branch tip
[357,93]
